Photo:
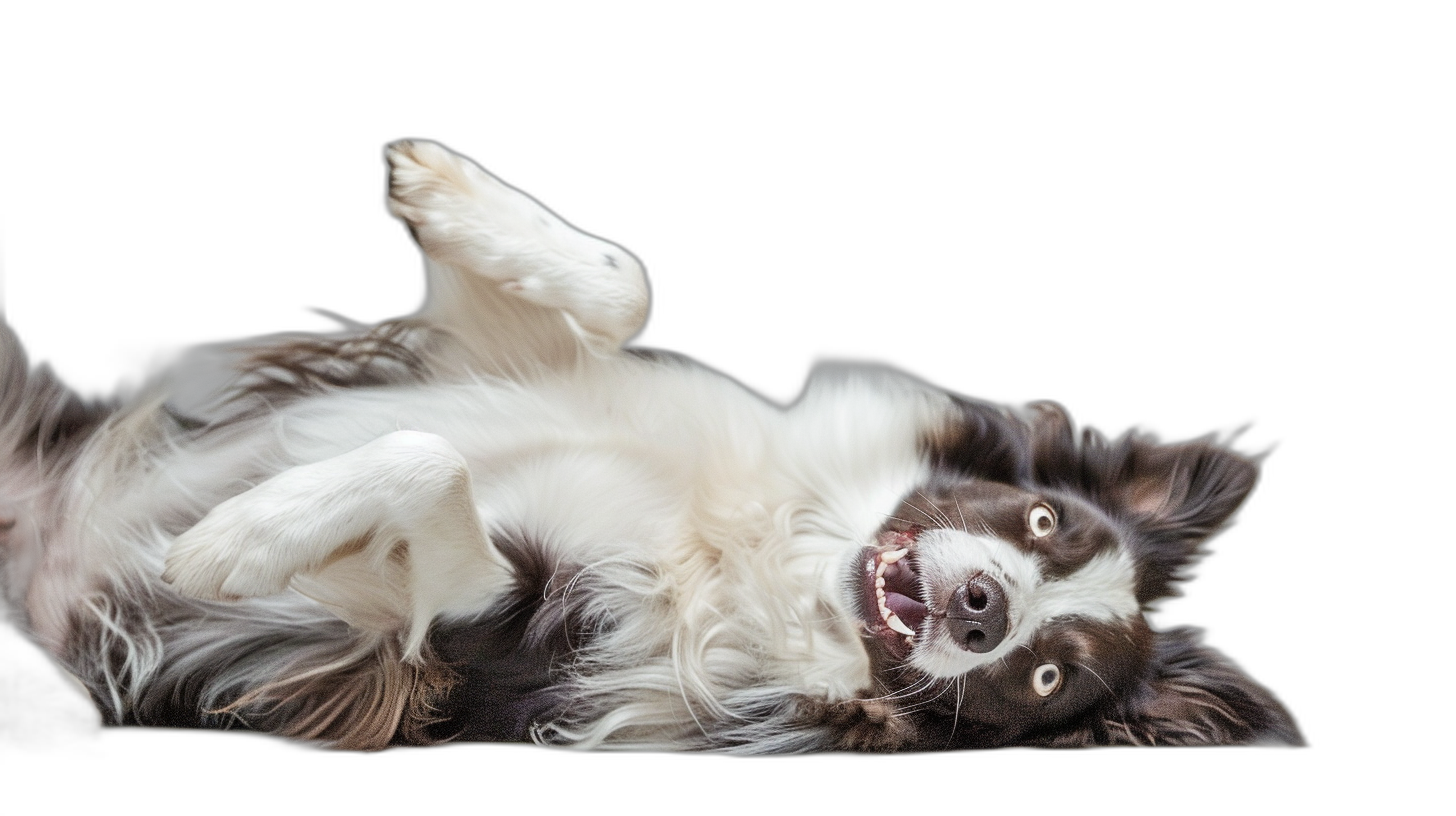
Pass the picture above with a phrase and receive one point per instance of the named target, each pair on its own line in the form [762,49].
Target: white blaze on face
[1101,590]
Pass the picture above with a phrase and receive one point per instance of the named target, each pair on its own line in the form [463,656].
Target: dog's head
[1004,600]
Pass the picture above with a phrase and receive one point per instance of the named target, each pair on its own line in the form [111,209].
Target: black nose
[976,614]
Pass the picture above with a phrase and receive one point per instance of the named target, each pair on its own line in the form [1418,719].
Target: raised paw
[474,223]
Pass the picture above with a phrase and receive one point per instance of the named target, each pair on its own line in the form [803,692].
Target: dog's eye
[1042,520]
[1046,679]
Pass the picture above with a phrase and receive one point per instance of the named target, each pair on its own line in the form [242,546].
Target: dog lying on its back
[490,521]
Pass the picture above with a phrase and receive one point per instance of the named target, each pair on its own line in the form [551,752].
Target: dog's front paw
[231,554]
[862,725]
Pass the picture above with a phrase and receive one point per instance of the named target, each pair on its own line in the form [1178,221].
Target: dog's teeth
[898,625]
[893,556]
[889,617]
[885,612]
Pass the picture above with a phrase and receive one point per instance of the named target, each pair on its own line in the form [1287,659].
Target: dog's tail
[43,427]
[40,418]
[38,422]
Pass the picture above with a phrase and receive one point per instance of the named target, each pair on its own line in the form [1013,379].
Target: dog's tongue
[910,611]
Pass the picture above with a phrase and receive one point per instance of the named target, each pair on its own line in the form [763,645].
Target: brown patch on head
[1075,531]
[1097,665]
[980,440]
[1168,497]
[1120,684]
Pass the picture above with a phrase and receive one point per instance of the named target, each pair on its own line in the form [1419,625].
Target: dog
[495,520]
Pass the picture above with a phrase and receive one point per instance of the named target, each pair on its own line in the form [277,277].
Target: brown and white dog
[491,521]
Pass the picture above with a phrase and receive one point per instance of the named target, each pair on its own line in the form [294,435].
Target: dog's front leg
[387,535]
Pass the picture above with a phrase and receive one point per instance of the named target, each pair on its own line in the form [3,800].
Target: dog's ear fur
[1195,696]
[1171,497]
[984,441]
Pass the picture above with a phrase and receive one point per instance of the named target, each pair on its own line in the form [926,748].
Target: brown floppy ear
[1195,696]
[983,441]
[1170,497]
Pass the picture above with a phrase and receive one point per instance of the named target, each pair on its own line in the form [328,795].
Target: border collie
[491,520]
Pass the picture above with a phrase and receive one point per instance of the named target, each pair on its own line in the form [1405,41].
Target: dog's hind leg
[511,280]
[386,535]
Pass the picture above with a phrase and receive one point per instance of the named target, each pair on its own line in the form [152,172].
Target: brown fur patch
[365,700]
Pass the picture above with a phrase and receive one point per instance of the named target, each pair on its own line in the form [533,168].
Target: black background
[1118,245]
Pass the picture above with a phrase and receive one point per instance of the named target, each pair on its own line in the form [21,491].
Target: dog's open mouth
[893,609]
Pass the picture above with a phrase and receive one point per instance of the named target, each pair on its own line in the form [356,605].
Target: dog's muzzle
[975,617]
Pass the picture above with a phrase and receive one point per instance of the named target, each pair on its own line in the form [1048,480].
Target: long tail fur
[149,656]
[43,425]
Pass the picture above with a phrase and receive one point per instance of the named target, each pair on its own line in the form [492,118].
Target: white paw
[252,544]
[305,518]
[233,553]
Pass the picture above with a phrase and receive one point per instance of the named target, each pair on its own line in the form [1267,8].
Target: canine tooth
[898,625]
[893,556]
